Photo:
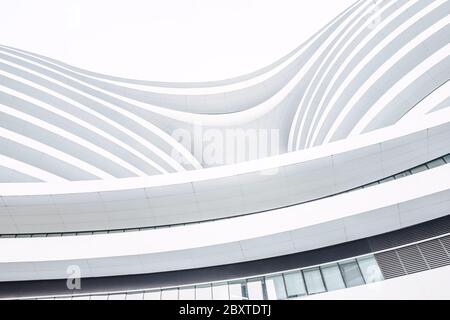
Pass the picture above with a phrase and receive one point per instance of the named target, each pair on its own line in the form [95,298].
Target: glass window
[294,284]
[447,158]
[435,163]
[220,291]
[370,269]
[275,288]
[99,297]
[372,184]
[169,294]
[333,278]
[120,296]
[238,290]
[387,179]
[203,292]
[135,296]
[313,280]
[78,298]
[403,174]
[350,272]
[255,289]
[186,293]
[152,295]
[418,169]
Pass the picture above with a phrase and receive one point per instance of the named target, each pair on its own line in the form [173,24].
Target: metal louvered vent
[411,234]
[412,259]
[390,264]
[434,253]
[415,258]
[446,243]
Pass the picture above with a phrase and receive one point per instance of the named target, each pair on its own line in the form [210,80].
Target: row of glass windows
[429,165]
[426,166]
[345,274]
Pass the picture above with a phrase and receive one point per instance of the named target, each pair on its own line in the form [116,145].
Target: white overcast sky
[165,40]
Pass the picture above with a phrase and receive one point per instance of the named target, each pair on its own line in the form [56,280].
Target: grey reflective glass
[275,288]
[134,296]
[370,269]
[255,289]
[332,277]
[76,298]
[99,297]
[220,291]
[169,294]
[152,295]
[351,273]
[238,290]
[120,296]
[418,169]
[294,284]
[203,292]
[435,163]
[186,293]
[69,298]
[313,280]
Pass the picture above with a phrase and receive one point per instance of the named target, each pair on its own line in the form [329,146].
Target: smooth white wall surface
[346,217]
[65,206]
[221,192]
[165,40]
[432,285]
[117,129]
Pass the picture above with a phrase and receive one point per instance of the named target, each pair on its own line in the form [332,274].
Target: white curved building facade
[323,175]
